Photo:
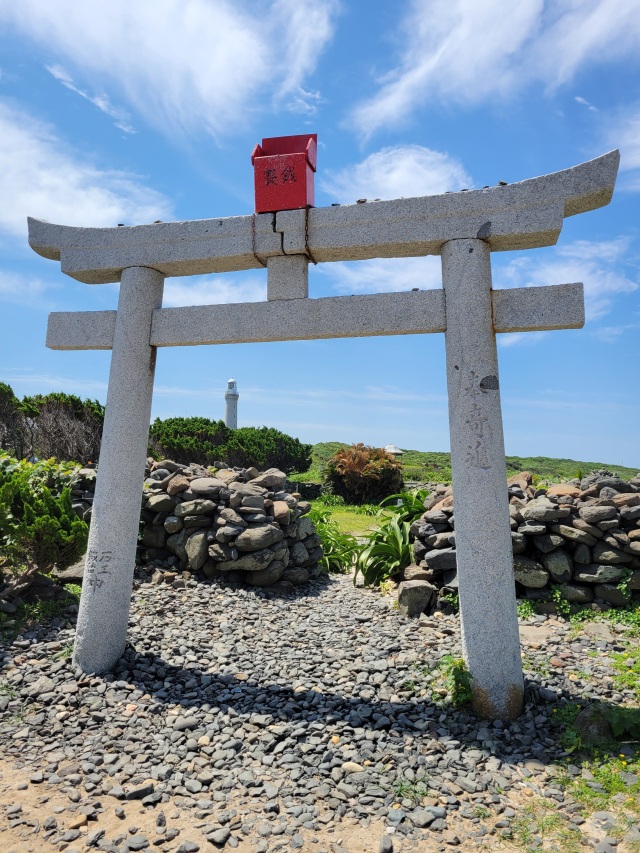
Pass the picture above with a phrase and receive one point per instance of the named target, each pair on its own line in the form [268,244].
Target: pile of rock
[582,537]
[240,524]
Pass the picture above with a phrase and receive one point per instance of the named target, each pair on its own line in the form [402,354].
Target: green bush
[37,523]
[362,474]
[204,441]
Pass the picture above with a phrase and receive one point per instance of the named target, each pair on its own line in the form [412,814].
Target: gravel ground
[249,720]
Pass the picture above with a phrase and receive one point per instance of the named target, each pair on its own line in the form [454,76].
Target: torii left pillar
[104,611]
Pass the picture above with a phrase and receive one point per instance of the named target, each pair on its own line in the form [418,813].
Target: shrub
[37,523]
[55,425]
[65,427]
[187,439]
[363,474]
[204,441]
[265,447]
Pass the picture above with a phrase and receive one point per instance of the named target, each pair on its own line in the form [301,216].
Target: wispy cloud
[26,290]
[397,171]
[383,275]
[612,334]
[623,132]
[467,52]
[44,381]
[585,103]
[43,177]
[213,290]
[183,65]
[120,117]
[599,265]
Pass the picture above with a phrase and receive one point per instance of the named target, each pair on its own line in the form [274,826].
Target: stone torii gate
[463,228]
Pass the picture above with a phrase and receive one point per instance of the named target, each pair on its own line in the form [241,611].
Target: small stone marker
[463,228]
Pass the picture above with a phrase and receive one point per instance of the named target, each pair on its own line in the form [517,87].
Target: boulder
[207,486]
[197,549]
[414,597]
[529,573]
[256,538]
[272,479]
[267,576]
[559,566]
[604,553]
[199,506]
[251,562]
[596,573]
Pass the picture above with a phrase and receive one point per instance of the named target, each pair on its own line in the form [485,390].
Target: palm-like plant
[406,506]
[386,552]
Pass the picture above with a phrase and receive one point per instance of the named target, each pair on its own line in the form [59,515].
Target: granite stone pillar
[488,617]
[106,589]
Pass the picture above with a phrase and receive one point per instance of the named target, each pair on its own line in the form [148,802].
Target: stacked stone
[239,524]
[582,536]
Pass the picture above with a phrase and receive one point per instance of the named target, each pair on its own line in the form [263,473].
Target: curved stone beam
[519,216]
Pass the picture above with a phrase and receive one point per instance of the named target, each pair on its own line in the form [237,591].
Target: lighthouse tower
[231,409]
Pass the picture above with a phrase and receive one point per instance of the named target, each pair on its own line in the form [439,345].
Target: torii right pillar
[488,617]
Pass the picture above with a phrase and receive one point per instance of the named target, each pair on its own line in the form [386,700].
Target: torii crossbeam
[463,228]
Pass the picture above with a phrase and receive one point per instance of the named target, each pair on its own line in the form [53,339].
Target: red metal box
[284,167]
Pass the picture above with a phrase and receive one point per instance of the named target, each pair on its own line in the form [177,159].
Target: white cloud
[585,103]
[397,171]
[42,177]
[183,64]
[599,265]
[623,132]
[383,275]
[213,290]
[463,51]
[26,290]
[120,117]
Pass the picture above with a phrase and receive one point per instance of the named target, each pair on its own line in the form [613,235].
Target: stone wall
[582,536]
[240,524]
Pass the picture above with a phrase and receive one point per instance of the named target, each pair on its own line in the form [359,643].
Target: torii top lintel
[524,215]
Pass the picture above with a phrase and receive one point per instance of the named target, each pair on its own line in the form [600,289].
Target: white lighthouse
[231,400]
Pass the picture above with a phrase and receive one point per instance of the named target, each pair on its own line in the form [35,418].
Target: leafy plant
[387,550]
[408,790]
[362,474]
[526,609]
[407,505]
[338,548]
[457,680]
[451,598]
[36,523]
[329,500]
[563,608]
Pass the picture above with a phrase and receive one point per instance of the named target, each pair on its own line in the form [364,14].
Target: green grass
[627,671]
[350,519]
[433,466]
[540,826]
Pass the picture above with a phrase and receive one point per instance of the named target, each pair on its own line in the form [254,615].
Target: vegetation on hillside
[57,425]
[205,441]
[425,467]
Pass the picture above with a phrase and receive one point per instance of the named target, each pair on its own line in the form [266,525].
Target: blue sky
[131,112]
